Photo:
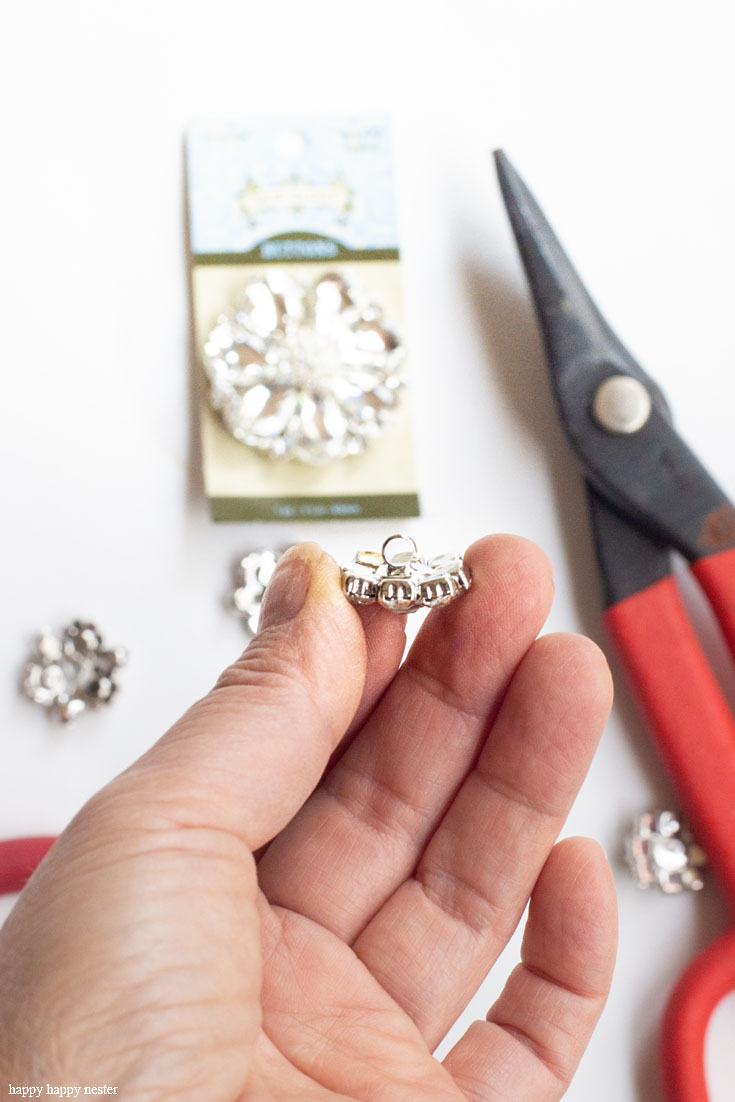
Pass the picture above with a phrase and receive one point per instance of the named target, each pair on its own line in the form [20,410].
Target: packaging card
[309,198]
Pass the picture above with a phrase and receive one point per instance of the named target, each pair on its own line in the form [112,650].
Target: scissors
[648,494]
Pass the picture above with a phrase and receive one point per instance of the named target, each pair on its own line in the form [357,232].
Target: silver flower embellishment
[72,671]
[304,372]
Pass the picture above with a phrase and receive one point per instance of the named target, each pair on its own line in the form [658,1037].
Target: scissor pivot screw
[621,404]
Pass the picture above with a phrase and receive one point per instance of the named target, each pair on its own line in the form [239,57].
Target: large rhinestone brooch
[72,671]
[399,579]
[304,371]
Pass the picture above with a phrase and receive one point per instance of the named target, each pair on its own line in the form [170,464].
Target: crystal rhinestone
[243,597]
[49,647]
[399,594]
[82,637]
[437,591]
[70,672]
[304,372]
[360,586]
[662,852]
[70,709]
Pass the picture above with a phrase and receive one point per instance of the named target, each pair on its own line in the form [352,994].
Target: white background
[619,115]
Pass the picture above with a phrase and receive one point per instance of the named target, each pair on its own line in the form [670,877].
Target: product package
[302,371]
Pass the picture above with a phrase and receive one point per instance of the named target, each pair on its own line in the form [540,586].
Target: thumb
[245,757]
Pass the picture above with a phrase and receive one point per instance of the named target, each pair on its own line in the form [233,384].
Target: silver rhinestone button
[401,580]
[252,574]
[662,852]
[73,671]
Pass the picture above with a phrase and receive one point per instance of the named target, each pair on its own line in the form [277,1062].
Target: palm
[330,1029]
[384,886]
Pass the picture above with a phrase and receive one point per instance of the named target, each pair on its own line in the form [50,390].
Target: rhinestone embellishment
[252,574]
[662,852]
[304,371]
[399,579]
[73,671]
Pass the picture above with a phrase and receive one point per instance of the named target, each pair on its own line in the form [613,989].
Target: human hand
[246,914]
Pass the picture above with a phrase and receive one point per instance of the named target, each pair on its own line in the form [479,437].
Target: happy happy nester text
[58,1092]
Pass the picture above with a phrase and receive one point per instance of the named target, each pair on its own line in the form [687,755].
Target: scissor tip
[510,182]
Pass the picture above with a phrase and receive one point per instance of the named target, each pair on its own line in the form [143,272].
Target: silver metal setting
[73,671]
[252,574]
[621,405]
[399,579]
[304,371]
[662,852]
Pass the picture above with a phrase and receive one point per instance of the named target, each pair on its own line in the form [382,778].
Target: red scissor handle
[687,712]
[716,575]
[708,978]
[18,859]
[695,732]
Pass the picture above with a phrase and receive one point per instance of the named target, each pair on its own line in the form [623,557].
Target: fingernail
[286,591]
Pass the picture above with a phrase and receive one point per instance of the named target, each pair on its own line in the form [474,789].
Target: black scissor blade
[647,475]
[576,334]
[570,320]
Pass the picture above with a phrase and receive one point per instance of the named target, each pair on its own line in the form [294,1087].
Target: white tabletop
[620,118]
